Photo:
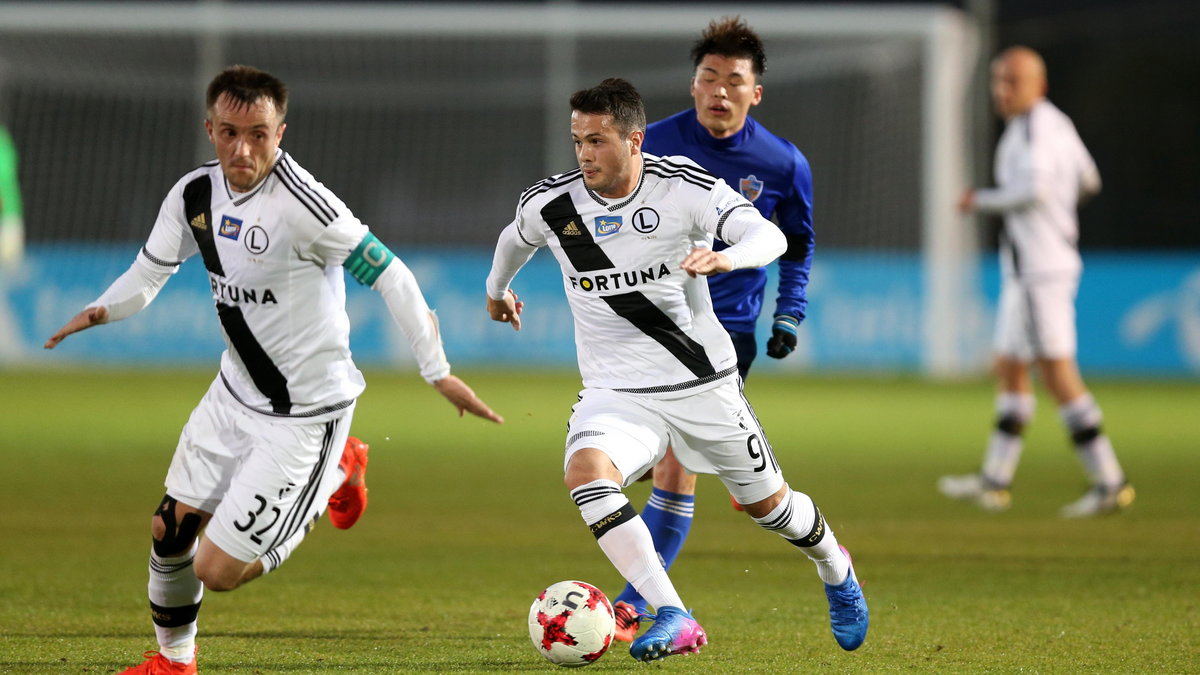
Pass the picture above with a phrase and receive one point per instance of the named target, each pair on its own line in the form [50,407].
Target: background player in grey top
[1042,173]
[258,459]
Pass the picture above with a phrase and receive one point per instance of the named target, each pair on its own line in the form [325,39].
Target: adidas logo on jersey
[618,280]
[571,230]
[199,222]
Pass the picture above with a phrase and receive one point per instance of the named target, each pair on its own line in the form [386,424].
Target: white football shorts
[262,478]
[1036,318]
[713,431]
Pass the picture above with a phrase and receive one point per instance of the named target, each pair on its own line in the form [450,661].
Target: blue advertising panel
[1138,314]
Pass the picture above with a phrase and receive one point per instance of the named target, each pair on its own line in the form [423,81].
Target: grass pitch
[467,521]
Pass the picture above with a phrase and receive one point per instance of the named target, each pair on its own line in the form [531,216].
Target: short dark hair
[615,97]
[731,37]
[245,85]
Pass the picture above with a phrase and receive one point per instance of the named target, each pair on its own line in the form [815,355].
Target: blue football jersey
[771,173]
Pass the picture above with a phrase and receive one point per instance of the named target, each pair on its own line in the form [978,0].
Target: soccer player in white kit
[633,235]
[258,460]
[1043,171]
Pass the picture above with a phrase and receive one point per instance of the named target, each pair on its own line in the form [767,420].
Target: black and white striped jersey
[641,323]
[274,258]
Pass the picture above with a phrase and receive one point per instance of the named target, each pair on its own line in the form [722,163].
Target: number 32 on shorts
[253,517]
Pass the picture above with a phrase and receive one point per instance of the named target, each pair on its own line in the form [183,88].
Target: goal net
[428,120]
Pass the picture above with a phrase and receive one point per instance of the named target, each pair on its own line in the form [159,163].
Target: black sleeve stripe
[289,174]
[687,178]
[552,181]
[287,183]
[522,236]
[156,260]
[290,165]
[548,184]
[698,172]
[320,217]
[694,168]
[307,196]
[725,216]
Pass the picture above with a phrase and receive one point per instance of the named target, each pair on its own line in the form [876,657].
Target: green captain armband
[369,260]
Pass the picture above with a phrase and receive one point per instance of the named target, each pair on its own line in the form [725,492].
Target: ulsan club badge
[750,187]
[230,227]
[607,225]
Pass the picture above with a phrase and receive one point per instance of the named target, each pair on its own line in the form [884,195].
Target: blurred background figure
[12,220]
[1043,171]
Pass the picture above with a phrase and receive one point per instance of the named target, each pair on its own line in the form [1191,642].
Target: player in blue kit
[719,134]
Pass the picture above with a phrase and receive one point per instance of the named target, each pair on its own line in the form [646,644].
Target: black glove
[783,336]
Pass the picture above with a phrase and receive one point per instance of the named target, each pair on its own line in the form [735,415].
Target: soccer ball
[571,623]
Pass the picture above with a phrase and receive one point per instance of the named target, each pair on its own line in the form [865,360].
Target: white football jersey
[274,258]
[1042,170]
[641,323]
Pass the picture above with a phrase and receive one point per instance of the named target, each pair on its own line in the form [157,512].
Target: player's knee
[588,465]
[1085,435]
[171,534]
[1010,424]
[762,508]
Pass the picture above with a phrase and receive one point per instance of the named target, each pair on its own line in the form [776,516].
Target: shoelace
[629,614]
[847,604]
[654,617]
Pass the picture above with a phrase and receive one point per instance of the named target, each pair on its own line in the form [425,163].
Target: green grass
[468,521]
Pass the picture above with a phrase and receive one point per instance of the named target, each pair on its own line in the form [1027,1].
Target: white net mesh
[429,137]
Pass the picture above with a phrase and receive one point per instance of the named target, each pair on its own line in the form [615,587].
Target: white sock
[797,519]
[175,594]
[1083,419]
[626,541]
[1013,412]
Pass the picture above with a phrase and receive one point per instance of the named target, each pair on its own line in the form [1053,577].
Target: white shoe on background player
[1099,500]
[973,487]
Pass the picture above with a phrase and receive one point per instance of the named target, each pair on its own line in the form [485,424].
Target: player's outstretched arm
[92,316]
[464,399]
[507,310]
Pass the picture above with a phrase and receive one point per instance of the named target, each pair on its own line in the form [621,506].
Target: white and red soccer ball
[571,623]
